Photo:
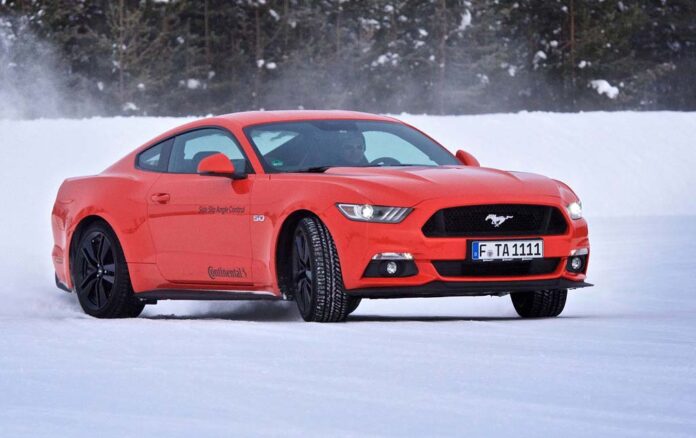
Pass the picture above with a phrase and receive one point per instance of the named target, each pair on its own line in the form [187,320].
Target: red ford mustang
[321,207]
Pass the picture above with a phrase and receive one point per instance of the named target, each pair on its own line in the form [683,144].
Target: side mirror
[218,165]
[467,159]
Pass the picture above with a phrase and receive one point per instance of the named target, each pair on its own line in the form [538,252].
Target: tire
[353,303]
[100,274]
[317,282]
[539,304]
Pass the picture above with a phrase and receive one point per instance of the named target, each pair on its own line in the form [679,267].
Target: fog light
[576,263]
[391,265]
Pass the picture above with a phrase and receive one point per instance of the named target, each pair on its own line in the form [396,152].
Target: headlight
[374,213]
[575,210]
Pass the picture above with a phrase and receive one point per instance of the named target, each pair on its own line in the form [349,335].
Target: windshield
[318,145]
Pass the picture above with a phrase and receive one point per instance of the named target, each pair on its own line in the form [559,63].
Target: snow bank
[619,362]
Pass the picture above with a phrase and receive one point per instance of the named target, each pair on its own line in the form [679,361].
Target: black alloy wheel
[302,271]
[101,277]
[97,270]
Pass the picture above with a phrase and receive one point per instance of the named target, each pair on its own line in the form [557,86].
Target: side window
[190,148]
[153,158]
[380,144]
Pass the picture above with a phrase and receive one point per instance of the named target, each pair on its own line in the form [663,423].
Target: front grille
[480,220]
[516,268]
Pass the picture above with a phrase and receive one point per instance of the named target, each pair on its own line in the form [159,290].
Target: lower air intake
[516,268]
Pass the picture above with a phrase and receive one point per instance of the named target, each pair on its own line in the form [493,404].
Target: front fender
[276,199]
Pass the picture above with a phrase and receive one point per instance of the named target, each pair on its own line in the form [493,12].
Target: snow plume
[30,76]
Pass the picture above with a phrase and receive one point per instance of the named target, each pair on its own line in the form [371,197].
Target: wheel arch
[283,248]
[76,235]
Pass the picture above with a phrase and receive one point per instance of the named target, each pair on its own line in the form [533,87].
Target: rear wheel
[317,282]
[101,276]
[539,304]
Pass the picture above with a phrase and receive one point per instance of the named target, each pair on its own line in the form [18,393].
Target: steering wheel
[385,161]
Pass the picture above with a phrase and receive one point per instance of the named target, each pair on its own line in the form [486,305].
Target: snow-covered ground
[620,361]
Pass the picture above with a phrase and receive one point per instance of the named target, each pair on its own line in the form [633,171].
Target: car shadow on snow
[445,318]
[265,311]
[274,314]
[233,311]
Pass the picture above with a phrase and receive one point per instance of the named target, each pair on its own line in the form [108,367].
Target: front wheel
[353,303]
[101,275]
[317,282]
[540,303]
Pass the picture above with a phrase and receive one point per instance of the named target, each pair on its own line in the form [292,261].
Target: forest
[193,57]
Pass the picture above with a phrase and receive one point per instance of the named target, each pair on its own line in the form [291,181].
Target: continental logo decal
[220,209]
[214,273]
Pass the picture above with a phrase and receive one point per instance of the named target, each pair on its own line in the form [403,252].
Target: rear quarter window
[153,158]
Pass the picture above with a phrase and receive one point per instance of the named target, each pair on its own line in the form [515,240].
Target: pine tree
[438,56]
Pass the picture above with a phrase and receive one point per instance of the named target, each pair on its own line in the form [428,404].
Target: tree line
[182,57]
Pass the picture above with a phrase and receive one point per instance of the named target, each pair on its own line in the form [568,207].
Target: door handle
[161,198]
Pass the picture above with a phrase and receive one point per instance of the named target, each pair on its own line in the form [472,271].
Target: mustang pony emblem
[497,221]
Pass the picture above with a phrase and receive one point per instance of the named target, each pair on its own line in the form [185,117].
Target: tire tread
[330,303]
[540,304]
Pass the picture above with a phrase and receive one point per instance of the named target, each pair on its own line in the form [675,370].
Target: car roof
[248,118]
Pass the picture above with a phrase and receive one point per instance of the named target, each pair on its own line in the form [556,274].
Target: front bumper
[358,242]
[466,288]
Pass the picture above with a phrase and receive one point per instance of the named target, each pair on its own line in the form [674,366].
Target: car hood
[410,185]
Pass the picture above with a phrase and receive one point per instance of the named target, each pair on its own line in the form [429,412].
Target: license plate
[507,249]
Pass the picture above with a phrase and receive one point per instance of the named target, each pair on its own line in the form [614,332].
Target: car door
[199,223]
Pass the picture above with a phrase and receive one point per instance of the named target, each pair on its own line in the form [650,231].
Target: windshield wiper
[315,169]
